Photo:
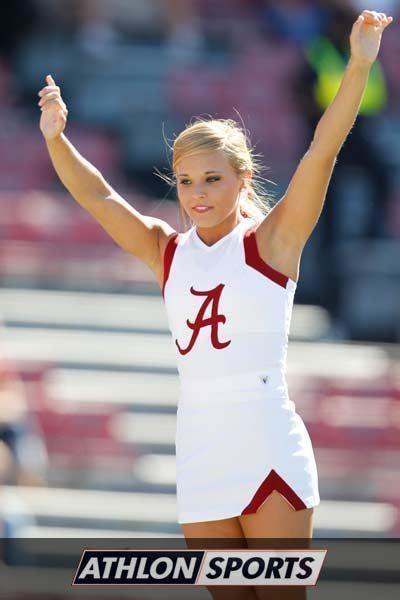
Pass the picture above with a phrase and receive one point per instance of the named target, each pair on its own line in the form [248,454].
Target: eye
[184,181]
[214,178]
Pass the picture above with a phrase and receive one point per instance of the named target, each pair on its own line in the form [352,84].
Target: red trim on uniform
[272,482]
[254,260]
[168,257]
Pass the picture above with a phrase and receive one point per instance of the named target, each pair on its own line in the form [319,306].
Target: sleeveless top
[228,311]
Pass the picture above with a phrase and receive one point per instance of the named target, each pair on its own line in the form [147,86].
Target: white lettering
[92,568]
[123,567]
[168,565]
[109,560]
[182,566]
[141,574]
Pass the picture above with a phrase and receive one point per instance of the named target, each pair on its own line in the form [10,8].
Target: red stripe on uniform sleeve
[168,257]
[254,260]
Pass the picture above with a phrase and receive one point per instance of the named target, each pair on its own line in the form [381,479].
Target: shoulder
[165,233]
[275,249]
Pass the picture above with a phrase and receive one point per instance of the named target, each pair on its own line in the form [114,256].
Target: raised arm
[294,217]
[132,231]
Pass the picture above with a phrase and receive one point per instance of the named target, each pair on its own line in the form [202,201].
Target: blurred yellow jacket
[329,66]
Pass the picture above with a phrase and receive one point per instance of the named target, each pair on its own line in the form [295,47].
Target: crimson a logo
[211,297]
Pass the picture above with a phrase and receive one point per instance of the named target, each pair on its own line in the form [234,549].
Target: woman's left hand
[366,36]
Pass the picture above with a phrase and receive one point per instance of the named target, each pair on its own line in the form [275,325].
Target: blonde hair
[208,135]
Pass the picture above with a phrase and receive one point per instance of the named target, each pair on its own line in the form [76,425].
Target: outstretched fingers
[371,17]
[389,20]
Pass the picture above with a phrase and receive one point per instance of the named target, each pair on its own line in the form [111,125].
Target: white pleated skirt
[237,440]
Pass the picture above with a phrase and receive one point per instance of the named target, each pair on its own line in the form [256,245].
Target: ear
[246,177]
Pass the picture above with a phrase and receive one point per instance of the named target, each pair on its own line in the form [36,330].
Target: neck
[211,235]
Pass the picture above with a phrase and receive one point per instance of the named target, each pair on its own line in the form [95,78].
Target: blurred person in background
[23,458]
[223,202]
[19,431]
[360,159]
[14,514]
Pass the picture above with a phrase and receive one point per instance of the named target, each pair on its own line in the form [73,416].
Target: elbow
[323,152]
[103,188]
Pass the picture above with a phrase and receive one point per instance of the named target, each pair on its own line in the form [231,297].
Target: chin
[206,221]
[202,218]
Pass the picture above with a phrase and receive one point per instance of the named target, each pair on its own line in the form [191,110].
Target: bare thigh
[274,525]
[224,533]
[276,518]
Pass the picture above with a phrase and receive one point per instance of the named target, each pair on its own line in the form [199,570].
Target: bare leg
[276,519]
[227,533]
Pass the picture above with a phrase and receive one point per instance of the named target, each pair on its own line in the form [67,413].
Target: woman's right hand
[54,110]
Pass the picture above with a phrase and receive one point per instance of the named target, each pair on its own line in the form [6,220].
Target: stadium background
[88,380]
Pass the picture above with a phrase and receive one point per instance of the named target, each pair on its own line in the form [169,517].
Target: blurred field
[103,386]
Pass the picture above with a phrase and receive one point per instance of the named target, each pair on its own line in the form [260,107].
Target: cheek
[229,191]
[184,190]
[183,198]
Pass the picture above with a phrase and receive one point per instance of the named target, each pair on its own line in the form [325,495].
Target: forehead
[203,161]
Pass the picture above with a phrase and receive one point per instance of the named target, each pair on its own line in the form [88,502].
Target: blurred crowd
[23,453]
[132,74]
[136,72]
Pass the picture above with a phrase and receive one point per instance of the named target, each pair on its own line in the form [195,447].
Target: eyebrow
[205,173]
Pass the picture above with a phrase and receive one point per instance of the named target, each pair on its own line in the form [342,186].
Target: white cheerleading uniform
[238,434]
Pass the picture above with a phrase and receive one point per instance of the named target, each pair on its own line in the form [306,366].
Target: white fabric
[235,421]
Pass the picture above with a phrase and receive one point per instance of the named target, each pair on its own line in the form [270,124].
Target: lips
[201,208]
